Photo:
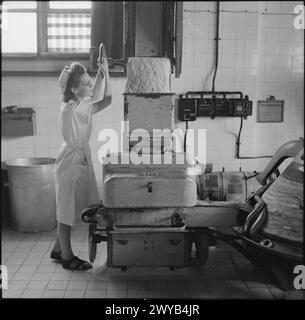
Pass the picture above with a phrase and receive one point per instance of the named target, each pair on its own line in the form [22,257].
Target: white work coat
[75,182]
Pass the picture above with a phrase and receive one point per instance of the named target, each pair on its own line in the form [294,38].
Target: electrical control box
[213,104]
[187,109]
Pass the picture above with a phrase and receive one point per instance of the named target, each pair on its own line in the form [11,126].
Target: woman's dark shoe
[55,255]
[76,264]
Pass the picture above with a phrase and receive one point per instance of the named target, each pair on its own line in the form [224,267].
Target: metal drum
[238,186]
[32,194]
[285,204]
[226,186]
[210,187]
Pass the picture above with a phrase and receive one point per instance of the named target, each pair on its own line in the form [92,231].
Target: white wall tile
[227,46]
[272,34]
[41,152]
[188,45]
[201,5]
[52,152]
[228,32]
[200,60]
[188,5]
[228,60]
[187,60]
[11,99]
[55,141]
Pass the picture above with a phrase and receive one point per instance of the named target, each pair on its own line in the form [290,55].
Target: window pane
[70,4]
[69,32]
[20,33]
[19,5]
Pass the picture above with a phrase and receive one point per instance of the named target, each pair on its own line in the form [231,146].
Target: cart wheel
[91,242]
[202,247]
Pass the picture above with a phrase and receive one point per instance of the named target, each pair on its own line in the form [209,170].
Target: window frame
[42,11]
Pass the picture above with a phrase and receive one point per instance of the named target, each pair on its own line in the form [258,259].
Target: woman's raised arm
[100,99]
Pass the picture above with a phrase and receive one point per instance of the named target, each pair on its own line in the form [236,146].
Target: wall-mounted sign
[270,110]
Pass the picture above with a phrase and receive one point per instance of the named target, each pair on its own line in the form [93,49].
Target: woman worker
[75,181]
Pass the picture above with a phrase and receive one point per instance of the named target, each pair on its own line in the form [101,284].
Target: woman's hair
[77,70]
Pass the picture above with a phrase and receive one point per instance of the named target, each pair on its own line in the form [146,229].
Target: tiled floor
[33,275]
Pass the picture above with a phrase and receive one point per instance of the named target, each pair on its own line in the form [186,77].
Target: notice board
[270,110]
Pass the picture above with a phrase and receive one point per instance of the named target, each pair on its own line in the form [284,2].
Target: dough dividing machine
[243,202]
[152,214]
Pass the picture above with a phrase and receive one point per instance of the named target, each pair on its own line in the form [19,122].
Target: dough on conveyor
[148,75]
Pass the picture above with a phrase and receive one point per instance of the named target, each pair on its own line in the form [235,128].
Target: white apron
[75,182]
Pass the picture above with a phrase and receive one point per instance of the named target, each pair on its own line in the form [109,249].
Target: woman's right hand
[103,66]
[102,60]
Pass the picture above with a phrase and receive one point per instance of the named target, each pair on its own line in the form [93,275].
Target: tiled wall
[260,55]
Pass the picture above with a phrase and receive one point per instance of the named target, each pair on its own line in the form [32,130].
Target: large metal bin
[32,194]
[150,185]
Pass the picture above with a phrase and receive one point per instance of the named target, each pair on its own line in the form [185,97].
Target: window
[46,35]
[68,31]
[46,28]
[19,27]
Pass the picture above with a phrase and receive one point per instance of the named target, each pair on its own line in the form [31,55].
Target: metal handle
[287,150]
[97,55]
[89,213]
[256,216]
[234,92]
[102,53]
[259,222]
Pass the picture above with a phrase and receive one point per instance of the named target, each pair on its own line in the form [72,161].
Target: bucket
[5,206]
[32,194]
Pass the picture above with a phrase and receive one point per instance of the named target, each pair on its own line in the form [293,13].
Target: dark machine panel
[213,104]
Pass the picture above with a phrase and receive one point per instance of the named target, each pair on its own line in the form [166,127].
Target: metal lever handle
[289,149]
[255,217]
[89,213]
[102,53]
[149,187]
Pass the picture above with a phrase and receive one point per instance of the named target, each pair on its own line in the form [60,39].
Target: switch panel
[214,104]
[187,109]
